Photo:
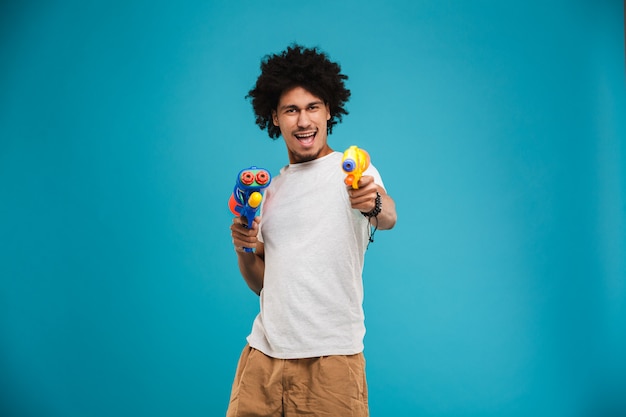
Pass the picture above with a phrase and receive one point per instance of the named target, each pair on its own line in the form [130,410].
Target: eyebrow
[293,106]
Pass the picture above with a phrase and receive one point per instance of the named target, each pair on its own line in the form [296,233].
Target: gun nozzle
[262,177]
[349,165]
[247,177]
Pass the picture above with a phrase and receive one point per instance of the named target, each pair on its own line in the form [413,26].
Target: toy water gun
[354,163]
[248,194]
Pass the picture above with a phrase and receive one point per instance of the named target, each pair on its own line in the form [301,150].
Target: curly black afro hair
[298,66]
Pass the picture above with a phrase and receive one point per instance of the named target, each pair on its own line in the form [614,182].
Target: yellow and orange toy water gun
[248,194]
[354,163]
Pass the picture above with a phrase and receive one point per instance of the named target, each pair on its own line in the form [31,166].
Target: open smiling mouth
[305,138]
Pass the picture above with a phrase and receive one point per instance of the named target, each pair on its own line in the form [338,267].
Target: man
[305,353]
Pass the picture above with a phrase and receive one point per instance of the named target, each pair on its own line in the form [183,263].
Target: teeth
[305,135]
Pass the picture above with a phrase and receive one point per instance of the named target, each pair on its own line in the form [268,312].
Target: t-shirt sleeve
[371,170]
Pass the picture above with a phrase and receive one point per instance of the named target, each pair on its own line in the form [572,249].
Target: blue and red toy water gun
[247,195]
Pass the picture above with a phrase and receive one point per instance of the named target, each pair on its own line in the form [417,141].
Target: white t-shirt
[312,298]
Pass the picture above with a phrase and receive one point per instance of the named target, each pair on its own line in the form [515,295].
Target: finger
[365,180]
[257,222]
[365,189]
[365,201]
[244,242]
[238,227]
[241,232]
[242,249]
[364,194]
[243,222]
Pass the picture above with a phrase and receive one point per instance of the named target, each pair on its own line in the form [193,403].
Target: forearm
[365,199]
[387,217]
[251,263]
[252,268]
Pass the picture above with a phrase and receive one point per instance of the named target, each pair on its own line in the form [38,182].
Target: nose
[303,119]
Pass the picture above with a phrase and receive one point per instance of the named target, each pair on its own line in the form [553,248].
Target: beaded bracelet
[377,207]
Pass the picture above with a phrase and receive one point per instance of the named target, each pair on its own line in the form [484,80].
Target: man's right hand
[242,236]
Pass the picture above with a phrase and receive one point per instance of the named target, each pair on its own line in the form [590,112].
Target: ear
[328,115]
[274,118]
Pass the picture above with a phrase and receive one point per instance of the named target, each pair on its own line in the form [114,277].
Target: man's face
[302,119]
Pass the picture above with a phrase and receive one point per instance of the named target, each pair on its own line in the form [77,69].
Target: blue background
[499,129]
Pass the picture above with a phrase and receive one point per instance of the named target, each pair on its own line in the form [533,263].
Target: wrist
[378,206]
